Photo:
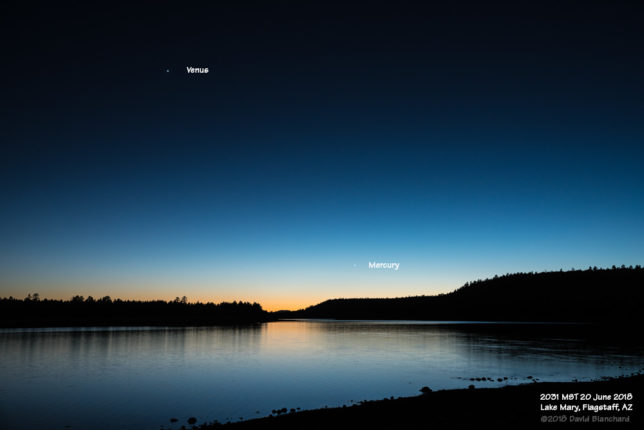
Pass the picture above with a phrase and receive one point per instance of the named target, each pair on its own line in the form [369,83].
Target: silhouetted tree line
[592,295]
[79,311]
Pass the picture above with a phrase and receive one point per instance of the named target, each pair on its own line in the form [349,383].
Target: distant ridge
[80,311]
[592,295]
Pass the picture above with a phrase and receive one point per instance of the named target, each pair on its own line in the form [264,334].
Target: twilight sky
[458,139]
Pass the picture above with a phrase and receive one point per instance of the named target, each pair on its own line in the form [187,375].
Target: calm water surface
[139,378]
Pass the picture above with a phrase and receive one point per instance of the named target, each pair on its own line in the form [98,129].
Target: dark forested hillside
[593,295]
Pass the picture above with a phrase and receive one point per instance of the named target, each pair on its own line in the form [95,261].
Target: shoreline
[511,406]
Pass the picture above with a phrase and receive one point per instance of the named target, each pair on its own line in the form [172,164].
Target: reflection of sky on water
[139,378]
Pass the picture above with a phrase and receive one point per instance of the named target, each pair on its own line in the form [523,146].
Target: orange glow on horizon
[271,298]
[270,305]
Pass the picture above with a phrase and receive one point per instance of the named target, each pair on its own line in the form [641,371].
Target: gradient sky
[461,140]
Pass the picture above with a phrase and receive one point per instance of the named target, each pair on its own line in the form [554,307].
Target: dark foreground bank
[508,407]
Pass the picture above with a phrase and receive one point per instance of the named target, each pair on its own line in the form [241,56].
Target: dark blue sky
[460,140]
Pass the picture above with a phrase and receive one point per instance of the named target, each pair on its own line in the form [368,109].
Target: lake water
[139,378]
